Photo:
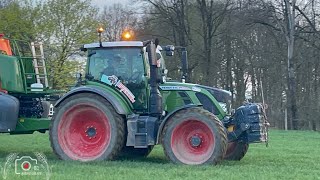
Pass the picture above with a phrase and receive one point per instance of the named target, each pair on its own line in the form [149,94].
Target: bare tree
[171,21]
[117,18]
[212,14]
[290,15]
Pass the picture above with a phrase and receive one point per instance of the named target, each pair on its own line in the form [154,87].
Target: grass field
[290,155]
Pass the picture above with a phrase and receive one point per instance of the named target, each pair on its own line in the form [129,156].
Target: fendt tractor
[124,105]
[24,89]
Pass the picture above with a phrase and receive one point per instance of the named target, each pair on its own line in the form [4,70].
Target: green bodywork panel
[29,125]
[177,94]
[174,95]
[121,98]
[10,74]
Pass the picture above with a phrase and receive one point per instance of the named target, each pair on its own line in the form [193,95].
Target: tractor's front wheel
[86,127]
[236,150]
[194,136]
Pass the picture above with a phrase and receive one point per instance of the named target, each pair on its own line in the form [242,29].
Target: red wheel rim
[84,132]
[192,142]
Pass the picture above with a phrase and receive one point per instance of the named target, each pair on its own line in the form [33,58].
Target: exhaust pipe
[155,100]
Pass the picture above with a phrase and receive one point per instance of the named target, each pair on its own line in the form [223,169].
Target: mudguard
[168,116]
[115,102]
[9,111]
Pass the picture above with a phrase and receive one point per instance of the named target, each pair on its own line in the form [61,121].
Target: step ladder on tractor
[39,66]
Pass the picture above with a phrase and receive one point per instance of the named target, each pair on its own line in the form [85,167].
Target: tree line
[260,50]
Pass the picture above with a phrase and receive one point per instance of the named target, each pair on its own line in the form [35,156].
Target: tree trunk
[240,86]
[292,104]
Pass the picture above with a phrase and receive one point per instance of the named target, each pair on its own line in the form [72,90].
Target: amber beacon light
[127,35]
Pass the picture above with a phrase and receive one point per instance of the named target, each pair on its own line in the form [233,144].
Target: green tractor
[238,144]
[125,106]
[24,90]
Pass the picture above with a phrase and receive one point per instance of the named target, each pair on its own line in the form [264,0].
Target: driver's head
[116,60]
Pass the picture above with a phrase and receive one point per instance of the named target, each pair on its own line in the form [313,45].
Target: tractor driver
[113,66]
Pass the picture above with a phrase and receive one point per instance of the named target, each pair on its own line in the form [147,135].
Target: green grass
[290,155]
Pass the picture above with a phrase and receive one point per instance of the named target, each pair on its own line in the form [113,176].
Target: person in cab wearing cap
[113,66]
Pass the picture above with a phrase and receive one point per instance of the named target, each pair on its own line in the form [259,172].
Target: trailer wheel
[236,150]
[194,136]
[131,152]
[86,127]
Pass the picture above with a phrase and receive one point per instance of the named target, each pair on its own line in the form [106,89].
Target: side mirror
[169,53]
[169,50]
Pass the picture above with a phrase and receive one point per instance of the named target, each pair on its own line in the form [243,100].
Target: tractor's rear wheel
[131,152]
[194,136]
[236,150]
[86,127]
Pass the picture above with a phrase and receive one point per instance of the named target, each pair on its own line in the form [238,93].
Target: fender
[115,102]
[172,113]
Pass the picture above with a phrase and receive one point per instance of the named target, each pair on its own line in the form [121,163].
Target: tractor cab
[124,61]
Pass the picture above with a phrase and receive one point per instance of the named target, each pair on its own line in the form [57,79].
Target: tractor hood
[223,97]
[220,94]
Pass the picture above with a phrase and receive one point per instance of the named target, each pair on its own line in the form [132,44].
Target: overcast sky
[101,3]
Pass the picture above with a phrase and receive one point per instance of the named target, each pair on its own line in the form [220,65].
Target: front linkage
[248,124]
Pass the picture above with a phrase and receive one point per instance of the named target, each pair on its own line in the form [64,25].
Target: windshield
[108,65]
[126,63]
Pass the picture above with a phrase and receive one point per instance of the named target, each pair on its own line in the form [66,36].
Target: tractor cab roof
[119,44]
[115,44]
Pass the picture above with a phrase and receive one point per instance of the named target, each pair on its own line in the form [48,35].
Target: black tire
[107,126]
[187,130]
[131,152]
[236,150]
